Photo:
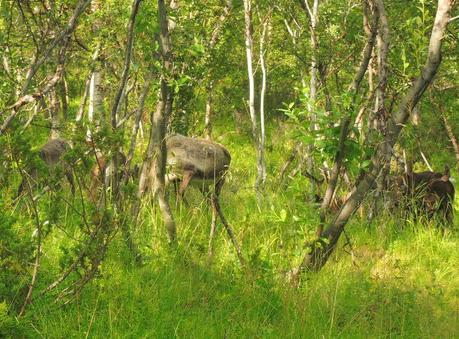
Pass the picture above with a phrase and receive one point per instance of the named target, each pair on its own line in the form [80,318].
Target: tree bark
[262,101]
[379,113]
[383,50]
[452,137]
[117,101]
[84,99]
[136,126]
[313,16]
[208,117]
[320,250]
[162,112]
[96,99]
[253,115]
[96,114]
[154,166]
[354,89]
[54,114]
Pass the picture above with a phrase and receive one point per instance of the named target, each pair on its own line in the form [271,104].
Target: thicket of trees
[348,92]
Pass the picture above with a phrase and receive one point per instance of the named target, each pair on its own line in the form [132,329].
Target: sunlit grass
[397,279]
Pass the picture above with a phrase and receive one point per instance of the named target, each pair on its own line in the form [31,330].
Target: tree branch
[323,246]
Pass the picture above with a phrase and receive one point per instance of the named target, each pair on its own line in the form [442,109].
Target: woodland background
[324,99]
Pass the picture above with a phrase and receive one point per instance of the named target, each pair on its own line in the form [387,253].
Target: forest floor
[396,280]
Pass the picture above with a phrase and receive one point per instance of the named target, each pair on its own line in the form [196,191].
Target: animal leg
[216,203]
[187,176]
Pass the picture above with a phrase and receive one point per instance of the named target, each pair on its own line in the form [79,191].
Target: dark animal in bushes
[52,155]
[428,193]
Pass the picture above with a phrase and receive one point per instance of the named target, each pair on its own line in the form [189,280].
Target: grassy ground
[398,280]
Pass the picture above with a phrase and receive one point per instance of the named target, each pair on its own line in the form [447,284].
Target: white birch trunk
[313,18]
[251,103]
[96,108]
[262,102]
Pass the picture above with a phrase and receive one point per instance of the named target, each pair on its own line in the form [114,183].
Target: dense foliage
[98,261]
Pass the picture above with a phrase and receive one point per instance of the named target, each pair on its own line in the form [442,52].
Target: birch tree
[313,15]
[251,102]
[320,249]
[154,165]
[24,97]
[96,99]
[265,27]
[211,82]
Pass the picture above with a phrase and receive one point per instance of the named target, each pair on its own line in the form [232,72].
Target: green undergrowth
[386,280]
[407,287]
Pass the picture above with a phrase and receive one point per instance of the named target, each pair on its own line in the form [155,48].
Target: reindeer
[429,192]
[102,172]
[51,153]
[202,163]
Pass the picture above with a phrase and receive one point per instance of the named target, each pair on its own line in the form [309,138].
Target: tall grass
[395,280]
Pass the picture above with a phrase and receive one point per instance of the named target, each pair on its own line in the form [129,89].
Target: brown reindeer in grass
[204,164]
[429,193]
[102,172]
[52,155]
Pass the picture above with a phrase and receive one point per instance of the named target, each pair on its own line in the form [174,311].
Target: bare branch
[62,36]
[37,95]
[66,32]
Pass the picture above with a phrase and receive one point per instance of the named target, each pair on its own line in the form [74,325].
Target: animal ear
[445,178]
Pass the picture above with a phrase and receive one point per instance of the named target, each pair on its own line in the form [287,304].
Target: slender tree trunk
[158,169]
[354,88]
[380,113]
[136,126]
[64,97]
[383,50]
[96,114]
[321,249]
[154,166]
[211,82]
[452,137]
[253,115]
[96,99]
[118,97]
[313,16]
[262,100]
[208,118]
[84,99]
[162,113]
[54,114]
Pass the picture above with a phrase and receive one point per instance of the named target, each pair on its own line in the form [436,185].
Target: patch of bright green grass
[397,280]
